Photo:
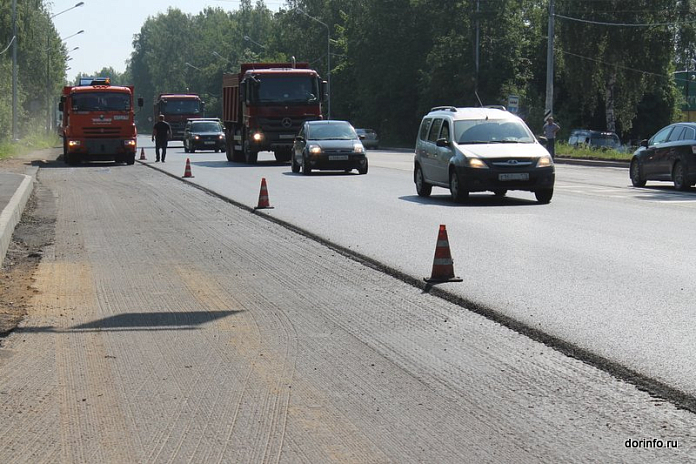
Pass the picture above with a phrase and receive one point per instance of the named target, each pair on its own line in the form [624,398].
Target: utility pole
[478,36]
[14,70]
[549,66]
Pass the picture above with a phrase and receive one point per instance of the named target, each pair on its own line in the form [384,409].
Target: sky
[109,26]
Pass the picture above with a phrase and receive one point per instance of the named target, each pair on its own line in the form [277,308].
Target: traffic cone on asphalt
[443,266]
[142,154]
[187,171]
[263,196]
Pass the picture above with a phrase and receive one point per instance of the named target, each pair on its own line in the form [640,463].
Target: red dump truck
[264,106]
[177,108]
[98,122]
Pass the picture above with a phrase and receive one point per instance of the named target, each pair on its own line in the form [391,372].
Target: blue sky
[109,27]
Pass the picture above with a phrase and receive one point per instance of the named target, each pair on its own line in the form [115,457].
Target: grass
[28,144]
[567,151]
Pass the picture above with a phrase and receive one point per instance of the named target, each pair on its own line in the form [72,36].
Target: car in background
[480,149]
[328,145]
[669,155]
[203,134]
[594,139]
[369,138]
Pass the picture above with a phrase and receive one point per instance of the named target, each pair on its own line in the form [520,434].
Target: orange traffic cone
[187,171]
[142,154]
[263,196]
[443,267]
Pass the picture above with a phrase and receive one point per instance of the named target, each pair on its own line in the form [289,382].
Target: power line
[602,23]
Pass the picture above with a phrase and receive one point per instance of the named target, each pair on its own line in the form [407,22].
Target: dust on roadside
[34,232]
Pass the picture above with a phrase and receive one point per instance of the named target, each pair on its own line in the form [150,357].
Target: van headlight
[544,162]
[358,148]
[477,164]
[314,149]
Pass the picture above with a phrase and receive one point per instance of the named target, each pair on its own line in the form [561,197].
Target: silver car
[480,149]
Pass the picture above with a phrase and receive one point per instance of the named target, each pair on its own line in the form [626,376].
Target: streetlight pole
[48,74]
[549,65]
[14,70]
[249,39]
[48,65]
[328,60]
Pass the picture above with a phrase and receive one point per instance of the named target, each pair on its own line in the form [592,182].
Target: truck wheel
[71,159]
[250,156]
[130,160]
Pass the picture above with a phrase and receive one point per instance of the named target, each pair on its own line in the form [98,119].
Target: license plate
[514,176]
[286,136]
[338,158]
[209,142]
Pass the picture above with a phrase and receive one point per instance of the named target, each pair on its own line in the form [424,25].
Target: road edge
[12,213]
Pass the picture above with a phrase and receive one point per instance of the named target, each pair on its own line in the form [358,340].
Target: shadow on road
[141,321]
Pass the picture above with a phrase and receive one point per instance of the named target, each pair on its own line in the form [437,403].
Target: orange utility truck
[98,122]
[264,106]
[177,108]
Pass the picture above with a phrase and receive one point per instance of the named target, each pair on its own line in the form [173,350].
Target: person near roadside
[161,133]
[550,130]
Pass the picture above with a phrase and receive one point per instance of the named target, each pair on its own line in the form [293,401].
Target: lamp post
[48,70]
[249,39]
[328,60]
[14,70]
[48,65]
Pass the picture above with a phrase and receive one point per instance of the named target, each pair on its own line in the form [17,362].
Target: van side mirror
[442,143]
[60,106]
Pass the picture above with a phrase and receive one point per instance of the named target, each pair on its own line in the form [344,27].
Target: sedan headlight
[197,137]
[544,162]
[358,148]
[314,149]
[477,164]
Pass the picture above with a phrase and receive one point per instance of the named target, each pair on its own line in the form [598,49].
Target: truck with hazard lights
[98,122]
[264,106]
[178,108]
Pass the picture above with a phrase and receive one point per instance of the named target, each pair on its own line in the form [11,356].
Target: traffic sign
[513,103]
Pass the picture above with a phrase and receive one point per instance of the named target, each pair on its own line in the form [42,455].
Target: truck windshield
[101,101]
[181,107]
[284,89]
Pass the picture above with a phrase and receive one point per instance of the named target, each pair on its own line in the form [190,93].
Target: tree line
[392,60]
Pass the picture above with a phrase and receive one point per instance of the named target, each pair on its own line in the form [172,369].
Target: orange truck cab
[98,122]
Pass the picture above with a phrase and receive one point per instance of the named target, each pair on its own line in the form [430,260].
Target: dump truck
[177,108]
[264,106]
[98,122]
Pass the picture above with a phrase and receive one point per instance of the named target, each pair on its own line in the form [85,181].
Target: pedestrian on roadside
[161,133]
[550,130]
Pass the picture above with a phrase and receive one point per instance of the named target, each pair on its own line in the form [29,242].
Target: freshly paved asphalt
[15,190]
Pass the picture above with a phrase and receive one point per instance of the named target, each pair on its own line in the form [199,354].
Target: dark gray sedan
[669,155]
[328,145]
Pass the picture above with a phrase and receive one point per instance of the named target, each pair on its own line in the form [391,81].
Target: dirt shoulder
[33,234]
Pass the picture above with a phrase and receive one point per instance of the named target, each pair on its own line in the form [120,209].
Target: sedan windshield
[331,132]
[206,127]
[491,131]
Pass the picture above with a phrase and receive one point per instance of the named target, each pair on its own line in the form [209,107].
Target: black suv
[204,134]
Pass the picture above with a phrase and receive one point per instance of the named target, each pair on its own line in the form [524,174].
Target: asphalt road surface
[168,325]
[604,270]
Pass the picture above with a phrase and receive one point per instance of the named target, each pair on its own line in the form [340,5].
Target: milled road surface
[170,326]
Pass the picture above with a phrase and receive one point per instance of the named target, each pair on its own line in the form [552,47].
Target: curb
[12,214]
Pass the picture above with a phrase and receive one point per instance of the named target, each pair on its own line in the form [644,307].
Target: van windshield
[491,131]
